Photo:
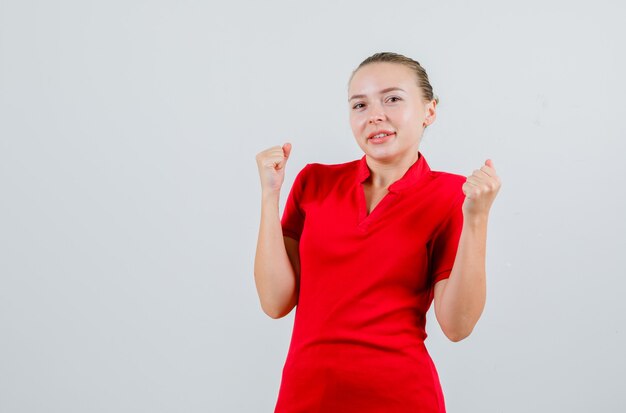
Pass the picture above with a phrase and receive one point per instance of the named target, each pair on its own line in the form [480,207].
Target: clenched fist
[480,190]
[271,163]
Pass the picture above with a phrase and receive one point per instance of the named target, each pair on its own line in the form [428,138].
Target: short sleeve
[292,220]
[446,242]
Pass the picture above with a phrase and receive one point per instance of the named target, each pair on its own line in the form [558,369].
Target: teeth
[381,135]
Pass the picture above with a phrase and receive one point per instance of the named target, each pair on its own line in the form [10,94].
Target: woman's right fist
[271,163]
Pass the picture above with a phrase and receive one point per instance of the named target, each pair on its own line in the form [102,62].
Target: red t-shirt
[366,283]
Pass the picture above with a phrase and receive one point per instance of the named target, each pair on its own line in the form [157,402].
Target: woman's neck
[383,174]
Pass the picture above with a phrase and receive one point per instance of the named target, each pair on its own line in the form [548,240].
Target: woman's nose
[377,116]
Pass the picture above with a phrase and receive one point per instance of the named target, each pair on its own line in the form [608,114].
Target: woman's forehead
[375,77]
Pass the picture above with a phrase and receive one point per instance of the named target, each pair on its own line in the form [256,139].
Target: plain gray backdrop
[130,196]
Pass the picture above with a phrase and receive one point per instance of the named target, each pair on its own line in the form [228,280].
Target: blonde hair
[420,73]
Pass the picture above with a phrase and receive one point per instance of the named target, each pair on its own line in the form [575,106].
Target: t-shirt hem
[291,234]
[442,276]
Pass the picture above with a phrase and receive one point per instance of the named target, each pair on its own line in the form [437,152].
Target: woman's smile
[381,138]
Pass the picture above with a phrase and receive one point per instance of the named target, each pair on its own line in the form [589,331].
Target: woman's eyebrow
[389,89]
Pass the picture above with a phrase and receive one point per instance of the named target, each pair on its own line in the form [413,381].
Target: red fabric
[366,283]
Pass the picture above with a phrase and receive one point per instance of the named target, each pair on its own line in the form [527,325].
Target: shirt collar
[415,173]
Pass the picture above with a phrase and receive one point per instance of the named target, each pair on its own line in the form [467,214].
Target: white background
[130,197]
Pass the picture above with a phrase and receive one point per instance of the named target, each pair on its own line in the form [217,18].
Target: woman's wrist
[476,221]
[270,201]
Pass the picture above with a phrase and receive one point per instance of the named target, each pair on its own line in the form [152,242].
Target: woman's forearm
[463,297]
[273,273]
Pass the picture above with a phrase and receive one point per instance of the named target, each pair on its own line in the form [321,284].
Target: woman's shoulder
[332,170]
[321,178]
[448,186]
[448,176]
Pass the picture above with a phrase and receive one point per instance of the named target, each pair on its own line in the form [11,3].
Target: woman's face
[385,97]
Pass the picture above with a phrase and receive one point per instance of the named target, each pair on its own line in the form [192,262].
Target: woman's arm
[460,300]
[276,265]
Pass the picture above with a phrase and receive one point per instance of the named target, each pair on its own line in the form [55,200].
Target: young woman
[364,247]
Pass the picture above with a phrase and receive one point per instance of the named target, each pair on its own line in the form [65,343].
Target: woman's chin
[381,154]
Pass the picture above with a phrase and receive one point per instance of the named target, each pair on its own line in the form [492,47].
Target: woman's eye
[394,97]
[358,106]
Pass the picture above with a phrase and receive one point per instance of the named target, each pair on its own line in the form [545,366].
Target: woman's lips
[381,140]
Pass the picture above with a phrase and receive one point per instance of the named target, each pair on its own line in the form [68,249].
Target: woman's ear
[431,113]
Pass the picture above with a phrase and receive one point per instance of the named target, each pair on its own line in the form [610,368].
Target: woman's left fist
[480,189]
